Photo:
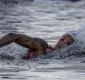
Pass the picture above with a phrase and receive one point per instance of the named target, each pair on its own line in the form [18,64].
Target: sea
[49,20]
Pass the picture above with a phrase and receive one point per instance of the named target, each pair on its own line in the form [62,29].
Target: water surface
[48,19]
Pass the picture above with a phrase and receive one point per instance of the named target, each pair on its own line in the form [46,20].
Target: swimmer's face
[66,40]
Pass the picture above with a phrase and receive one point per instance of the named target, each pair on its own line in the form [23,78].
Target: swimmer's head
[65,40]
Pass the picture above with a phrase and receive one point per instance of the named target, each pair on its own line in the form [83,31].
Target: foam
[80,38]
[14,50]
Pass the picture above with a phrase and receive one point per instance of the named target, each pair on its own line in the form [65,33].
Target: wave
[72,50]
[14,51]
[15,1]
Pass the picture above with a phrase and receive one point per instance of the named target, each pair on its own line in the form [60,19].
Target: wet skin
[65,40]
[36,46]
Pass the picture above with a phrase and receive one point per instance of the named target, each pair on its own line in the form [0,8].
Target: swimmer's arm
[22,40]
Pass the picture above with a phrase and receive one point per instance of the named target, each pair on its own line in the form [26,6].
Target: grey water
[47,19]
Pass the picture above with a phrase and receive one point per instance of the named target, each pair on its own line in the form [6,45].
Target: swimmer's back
[42,42]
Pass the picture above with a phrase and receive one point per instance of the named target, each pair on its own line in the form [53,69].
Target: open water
[47,19]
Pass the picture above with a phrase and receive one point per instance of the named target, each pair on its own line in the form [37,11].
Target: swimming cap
[72,33]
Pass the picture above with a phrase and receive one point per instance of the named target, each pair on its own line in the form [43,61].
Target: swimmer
[36,46]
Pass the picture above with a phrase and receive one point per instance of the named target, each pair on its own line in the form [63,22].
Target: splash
[77,48]
[80,38]
[12,51]
[63,53]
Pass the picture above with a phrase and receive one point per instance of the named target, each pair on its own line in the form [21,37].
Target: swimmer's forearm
[7,39]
